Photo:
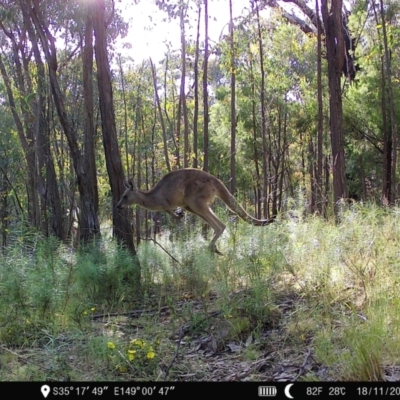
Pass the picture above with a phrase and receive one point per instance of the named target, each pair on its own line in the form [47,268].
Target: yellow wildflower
[138,342]
[131,354]
[151,355]
[111,345]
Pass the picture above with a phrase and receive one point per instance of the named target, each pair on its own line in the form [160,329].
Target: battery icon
[267,391]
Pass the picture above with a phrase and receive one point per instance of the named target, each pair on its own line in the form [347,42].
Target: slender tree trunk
[205,91]
[335,56]
[283,161]
[263,118]
[255,141]
[32,211]
[4,192]
[387,139]
[88,217]
[387,143]
[393,125]
[122,78]
[164,133]
[25,134]
[319,173]
[196,92]
[47,178]
[182,95]
[87,199]
[123,227]
[232,182]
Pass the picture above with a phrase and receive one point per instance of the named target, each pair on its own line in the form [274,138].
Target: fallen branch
[134,313]
[301,370]
[166,251]
[181,333]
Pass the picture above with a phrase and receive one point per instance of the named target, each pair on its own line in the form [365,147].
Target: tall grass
[342,279]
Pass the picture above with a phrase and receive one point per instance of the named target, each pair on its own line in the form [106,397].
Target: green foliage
[340,283]
[106,278]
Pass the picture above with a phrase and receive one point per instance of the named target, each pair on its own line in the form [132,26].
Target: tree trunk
[196,91]
[87,200]
[123,227]
[4,192]
[164,133]
[319,172]
[263,118]
[258,199]
[88,216]
[182,96]
[391,152]
[232,182]
[205,91]
[335,57]
[25,133]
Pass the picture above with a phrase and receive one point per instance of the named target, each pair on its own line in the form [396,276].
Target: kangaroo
[193,190]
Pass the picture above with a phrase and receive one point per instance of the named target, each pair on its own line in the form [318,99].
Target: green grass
[288,289]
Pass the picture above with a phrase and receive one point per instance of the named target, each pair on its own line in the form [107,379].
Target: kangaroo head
[129,196]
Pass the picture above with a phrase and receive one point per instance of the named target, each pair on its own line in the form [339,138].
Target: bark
[4,215]
[258,199]
[182,109]
[205,91]
[25,134]
[48,184]
[391,195]
[164,133]
[265,152]
[87,216]
[346,47]
[123,227]
[32,212]
[196,92]
[232,182]
[122,78]
[335,57]
[319,171]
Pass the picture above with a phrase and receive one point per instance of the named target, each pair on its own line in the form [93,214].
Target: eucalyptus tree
[232,62]
[383,18]
[339,46]
[26,87]
[372,105]
[12,176]
[205,90]
[123,229]
[82,160]
[179,10]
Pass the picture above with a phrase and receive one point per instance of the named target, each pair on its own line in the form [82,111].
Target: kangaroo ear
[127,184]
[131,185]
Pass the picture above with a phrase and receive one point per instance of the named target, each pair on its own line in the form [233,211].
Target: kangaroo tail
[233,205]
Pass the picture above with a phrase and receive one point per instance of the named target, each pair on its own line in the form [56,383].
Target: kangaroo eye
[125,197]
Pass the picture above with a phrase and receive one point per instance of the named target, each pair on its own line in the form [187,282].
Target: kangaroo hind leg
[205,212]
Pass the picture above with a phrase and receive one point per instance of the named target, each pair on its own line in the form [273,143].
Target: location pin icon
[45,389]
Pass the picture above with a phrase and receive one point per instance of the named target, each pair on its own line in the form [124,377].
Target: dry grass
[302,299]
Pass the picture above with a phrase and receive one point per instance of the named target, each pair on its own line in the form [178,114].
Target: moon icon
[287,391]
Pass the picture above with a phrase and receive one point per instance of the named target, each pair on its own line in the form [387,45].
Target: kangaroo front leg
[175,214]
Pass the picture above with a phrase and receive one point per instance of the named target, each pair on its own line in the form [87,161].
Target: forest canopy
[299,100]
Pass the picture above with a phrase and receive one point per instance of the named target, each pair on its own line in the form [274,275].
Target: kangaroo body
[193,190]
